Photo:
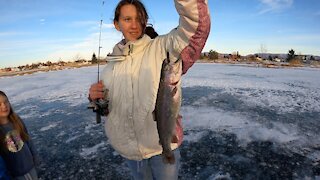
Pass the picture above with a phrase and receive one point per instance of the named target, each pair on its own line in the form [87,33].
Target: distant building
[277,59]
[259,59]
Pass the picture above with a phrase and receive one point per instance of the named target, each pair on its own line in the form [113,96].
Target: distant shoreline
[263,64]
[248,63]
[31,71]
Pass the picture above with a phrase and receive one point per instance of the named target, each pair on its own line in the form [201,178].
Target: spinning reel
[99,107]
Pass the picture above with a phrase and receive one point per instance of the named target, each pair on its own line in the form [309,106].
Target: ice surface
[243,116]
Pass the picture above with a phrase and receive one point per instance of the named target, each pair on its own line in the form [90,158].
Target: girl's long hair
[141,10]
[16,122]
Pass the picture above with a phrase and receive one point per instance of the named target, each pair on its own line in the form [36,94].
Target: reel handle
[98,118]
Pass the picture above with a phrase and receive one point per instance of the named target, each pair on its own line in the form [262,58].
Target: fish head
[172,71]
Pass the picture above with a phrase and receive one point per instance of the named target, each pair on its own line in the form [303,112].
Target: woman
[131,78]
[16,147]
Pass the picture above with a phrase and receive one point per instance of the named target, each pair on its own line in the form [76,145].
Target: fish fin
[168,158]
[175,83]
[174,91]
[175,139]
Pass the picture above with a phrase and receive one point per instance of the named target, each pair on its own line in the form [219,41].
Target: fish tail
[168,158]
[175,139]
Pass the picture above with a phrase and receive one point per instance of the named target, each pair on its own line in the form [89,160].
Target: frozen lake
[239,122]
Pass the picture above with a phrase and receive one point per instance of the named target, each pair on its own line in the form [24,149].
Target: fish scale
[168,106]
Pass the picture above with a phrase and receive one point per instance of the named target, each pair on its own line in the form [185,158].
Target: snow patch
[86,152]
[46,128]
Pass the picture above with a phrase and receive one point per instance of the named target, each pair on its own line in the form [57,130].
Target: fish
[168,105]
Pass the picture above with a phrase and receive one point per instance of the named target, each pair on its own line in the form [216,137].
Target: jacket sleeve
[188,39]
[31,147]
[33,152]
[3,170]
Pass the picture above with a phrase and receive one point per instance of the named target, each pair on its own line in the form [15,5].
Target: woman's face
[129,23]
[4,107]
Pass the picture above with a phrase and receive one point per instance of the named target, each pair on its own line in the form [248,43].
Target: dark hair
[142,13]
[16,122]
[150,31]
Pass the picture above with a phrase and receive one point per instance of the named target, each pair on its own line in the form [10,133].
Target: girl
[16,147]
[132,76]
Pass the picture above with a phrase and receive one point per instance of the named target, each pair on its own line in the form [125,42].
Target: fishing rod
[101,20]
[98,106]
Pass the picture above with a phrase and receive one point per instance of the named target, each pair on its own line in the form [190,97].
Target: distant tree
[213,55]
[49,63]
[263,49]
[34,66]
[235,55]
[80,61]
[77,58]
[291,55]
[20,68]
[61,63]
[94,59]
[204,55]
[252,58]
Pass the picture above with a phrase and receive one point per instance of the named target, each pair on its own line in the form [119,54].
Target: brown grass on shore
[266,64]
[50,68]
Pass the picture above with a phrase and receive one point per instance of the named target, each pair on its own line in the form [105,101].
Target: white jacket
[132,77]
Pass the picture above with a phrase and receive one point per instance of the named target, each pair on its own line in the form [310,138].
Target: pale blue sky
[50,30]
